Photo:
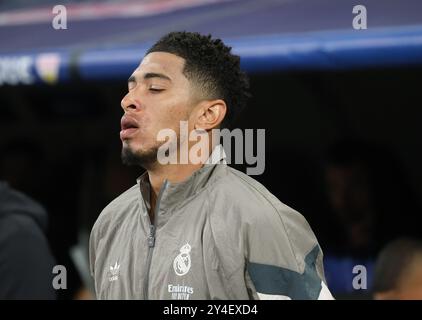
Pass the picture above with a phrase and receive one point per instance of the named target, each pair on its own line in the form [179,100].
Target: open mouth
[128,127]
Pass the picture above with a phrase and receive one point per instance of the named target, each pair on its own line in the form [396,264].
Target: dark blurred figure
[369,203]
[21,165]
[52,180]
[26,262]
[398,271]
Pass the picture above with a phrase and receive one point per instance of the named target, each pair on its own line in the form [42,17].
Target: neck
[174,173]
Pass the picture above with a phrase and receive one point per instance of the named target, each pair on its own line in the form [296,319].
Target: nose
[127,103]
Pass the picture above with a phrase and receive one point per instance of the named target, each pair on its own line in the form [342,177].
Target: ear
[210,114]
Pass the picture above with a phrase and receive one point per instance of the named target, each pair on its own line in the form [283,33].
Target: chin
[138,156]
[131,145]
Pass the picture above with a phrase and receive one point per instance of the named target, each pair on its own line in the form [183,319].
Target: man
[196,230]
[26,262]
[398,271]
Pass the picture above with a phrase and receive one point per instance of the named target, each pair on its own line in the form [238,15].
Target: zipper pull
[151,237]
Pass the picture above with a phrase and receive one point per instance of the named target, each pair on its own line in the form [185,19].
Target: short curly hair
[209,63]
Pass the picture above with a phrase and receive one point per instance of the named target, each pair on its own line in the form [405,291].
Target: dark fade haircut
[393,261]
[209,64]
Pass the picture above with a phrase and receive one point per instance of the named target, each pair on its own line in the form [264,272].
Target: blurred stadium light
[105,40]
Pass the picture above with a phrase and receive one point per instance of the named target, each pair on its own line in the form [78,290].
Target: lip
[129,126]
[127,133]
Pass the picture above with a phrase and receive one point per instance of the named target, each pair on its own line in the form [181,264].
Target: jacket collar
[173,194]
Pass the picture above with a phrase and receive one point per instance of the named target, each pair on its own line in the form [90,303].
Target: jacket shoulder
[248,193]
[114,211]
[282,254]
[109,218]
[265,220]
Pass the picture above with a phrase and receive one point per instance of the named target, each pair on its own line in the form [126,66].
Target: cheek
[165,114]
[152,125]
[179,111]
[175,113]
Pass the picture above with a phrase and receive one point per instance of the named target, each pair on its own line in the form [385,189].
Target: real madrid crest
[182,262]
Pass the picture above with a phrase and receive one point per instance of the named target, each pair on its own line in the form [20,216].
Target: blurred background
[341,108]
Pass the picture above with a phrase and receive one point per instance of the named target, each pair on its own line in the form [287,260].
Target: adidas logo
[114,271]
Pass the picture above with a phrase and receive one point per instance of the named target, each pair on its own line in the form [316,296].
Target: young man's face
[159,97]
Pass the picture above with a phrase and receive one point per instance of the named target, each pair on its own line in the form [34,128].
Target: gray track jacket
[218,235]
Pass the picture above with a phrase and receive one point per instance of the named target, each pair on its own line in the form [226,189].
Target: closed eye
[155,89]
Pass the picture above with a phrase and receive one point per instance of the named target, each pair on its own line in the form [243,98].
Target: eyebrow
[149,76]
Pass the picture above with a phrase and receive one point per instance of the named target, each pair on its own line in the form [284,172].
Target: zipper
[151,238]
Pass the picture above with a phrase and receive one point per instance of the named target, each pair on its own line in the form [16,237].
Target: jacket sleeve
[284,259]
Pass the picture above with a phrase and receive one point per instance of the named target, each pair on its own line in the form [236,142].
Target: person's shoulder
[115,210]
[14,201]
[17,225]
[243,191]
[245,211]
[239,199]
[19,207]
[125,199]
[20,233]
[265,221]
